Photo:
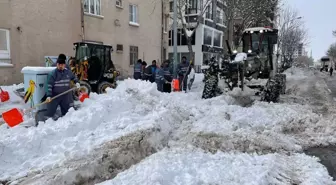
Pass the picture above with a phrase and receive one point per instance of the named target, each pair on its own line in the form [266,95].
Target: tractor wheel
[103,85]
[272,91]
[84,87]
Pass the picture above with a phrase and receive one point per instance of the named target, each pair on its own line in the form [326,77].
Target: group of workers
[163,75]
[59,80]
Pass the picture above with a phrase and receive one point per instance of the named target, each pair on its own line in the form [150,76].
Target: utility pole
[175,37]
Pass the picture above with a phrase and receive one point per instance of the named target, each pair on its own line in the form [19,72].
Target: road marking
[329,90]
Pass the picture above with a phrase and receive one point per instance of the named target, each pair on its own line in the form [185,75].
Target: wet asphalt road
[327,155]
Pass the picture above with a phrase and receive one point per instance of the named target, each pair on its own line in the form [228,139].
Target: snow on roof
[257,29]
[36,70]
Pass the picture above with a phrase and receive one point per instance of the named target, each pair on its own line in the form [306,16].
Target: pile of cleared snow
[297,73]
[137,105]
[182,166]
[14,100]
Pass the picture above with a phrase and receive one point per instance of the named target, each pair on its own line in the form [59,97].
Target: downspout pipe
[82,21]
[162,29]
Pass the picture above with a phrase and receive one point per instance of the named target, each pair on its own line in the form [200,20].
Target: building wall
[37,28]
[113,28]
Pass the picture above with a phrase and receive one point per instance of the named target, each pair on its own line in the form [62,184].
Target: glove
[48,99]
[77,85]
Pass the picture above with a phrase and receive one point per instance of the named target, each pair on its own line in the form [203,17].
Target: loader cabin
[98,57]
[325,63]
[259,40]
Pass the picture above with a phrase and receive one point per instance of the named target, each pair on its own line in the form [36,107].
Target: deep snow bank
[192,167]
[135,106]
[14,100]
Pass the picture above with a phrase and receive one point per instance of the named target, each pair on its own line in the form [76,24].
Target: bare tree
[184,22]
[292,35]
[332,52]
[242,14]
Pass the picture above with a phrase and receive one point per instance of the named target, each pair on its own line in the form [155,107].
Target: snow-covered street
[137,135]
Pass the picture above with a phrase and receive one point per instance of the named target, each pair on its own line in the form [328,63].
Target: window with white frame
[92,7]
[208,13]
[134,52]
[4,44]
[133,13]
[219,16]
[119,3]
[217,39]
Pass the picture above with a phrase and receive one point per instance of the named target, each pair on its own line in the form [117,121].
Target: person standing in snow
[168,76]
[182,71]
[152,70]
[159,78]
[59,82]
[211,79]
[137,70]
[331,71]
[143,70]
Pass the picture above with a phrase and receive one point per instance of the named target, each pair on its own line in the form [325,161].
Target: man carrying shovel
[59,82]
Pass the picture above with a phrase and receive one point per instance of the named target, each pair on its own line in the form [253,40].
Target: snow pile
[181,167]
[14,100]
[102,118]
[217,124]
[295,73]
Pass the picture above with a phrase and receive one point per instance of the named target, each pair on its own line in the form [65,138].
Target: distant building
[207,40]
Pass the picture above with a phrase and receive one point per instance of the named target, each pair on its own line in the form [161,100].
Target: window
[4,44]
[207,36]
[181,38]
[171,6]
[92,7]
[208,13]
[133,13]
[217,39]
[219,17]
[119,3]
[191,7]
[133,54]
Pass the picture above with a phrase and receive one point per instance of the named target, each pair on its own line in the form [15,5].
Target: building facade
[207,40]
[30,30]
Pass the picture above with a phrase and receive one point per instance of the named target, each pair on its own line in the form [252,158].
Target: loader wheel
[84,87]
[104,85]
[271,93]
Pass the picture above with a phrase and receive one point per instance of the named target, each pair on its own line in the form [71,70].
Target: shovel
[14,116]
[4,95]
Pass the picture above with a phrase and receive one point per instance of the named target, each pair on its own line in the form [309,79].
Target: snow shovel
[4,95]
[15,116]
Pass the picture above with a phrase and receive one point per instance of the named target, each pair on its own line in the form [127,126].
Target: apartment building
[32,29]
[207,40]
[300,51]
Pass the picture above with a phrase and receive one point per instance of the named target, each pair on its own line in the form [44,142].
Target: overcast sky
[320,19]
